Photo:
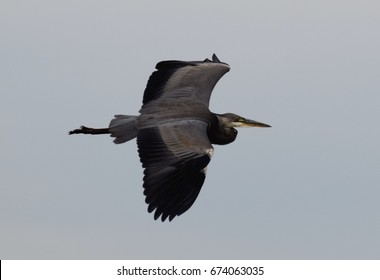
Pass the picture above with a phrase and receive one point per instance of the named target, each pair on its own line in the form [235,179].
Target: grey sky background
[307,188]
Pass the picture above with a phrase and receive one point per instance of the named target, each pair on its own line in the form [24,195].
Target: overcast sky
[307,188]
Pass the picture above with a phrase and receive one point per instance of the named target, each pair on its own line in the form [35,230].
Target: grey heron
[175,132]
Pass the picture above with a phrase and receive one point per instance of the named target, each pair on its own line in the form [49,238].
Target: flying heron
[175,132]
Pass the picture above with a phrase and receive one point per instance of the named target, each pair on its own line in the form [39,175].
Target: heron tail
[123,128]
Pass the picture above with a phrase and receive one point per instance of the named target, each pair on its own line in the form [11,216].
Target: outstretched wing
[185,79]
[175,156]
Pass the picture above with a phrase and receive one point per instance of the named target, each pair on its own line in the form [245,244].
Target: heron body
[175,132]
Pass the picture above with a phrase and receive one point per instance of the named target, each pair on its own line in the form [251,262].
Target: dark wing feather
[195,79]
[175,157]
[159,78]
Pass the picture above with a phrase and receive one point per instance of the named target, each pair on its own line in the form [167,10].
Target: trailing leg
[89,130]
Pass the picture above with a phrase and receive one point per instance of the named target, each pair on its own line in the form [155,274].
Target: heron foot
[88,130]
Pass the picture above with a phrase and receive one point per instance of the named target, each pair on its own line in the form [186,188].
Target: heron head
[233,120]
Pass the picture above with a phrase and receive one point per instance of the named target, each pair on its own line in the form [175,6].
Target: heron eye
[240,120]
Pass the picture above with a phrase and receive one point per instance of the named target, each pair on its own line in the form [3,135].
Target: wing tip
[215,59]
[181,63]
